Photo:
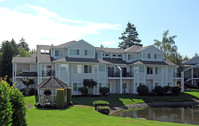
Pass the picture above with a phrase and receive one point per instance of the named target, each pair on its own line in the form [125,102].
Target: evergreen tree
[23,52]
[23,44]
[129,37]
[186,57]
[8,52]
[15,46]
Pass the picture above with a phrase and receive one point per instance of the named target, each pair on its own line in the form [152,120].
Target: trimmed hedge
[103,109]
[104,90]
[143,90]
[100,103]
[176,90]
[19,108]
[167,89]
[159,90]
[5,104]
[69,96]
[60,101]
[83,90]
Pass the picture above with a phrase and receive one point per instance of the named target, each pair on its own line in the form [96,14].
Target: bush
[31,91]
[19,108]
[83,90]
[167,89]
[100,103]
[103,109]
[69,96]
[176,90]
[143,90]
[104,90]
[5,104]
[159,90]
[60,101]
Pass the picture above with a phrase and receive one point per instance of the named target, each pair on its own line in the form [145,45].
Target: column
[182,81]
[13,69]
[166,76]
[98,79]
[120,81]
[191,76]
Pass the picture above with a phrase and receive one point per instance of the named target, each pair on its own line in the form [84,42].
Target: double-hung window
[59,53]
[87,69]
[77,68]
[149,70]
[76,87]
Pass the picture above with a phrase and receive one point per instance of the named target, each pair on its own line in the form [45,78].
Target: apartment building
[122,70]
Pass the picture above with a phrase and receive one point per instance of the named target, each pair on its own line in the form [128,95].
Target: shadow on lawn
[51,108]
[127,99]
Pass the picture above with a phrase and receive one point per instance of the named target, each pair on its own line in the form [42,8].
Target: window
[107,55]
[102,68]
[119,55]
[157,70]
[99,55]
[129,56]
[114,55]
[149,56]
[76,86]
[63,69]
[89,52]
[74,51]
[102,85]
[157,84]
[149,70]
[169,69]
[59,53]
[155,56]
[144,55]
[44,51]
[77,68]
[87,69]
[141,69]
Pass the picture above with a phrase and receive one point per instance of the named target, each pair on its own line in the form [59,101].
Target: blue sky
[100,21]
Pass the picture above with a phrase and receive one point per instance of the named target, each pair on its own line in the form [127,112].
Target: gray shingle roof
[52,83]
[134,48]
[166,62]
[114,61]
[31,59]
[65,44]
[192,61]
[114,50]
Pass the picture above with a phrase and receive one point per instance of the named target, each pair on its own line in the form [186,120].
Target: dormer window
[74,51]
[88,52]
[106,55]
[59,53]
[149,55]
[119,55]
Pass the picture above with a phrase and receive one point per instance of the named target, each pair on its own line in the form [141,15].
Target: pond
[187,115]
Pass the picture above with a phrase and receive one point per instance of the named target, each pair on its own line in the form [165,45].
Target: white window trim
[74,49]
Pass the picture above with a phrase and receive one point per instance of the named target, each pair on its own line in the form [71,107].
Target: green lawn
[80,115]
[128,99]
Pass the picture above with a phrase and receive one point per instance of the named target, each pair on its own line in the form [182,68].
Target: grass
[128,99]
[86,115]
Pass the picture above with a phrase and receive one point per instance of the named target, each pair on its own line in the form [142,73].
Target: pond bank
[155,104]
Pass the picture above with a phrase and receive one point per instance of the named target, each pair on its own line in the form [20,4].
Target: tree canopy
[22,52]
[23,44]
[168,47]
[129,37]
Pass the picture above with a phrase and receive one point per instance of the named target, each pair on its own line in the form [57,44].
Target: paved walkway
[155,104]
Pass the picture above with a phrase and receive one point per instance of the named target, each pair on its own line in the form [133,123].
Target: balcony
[47,73]
[27,74]
[117,74]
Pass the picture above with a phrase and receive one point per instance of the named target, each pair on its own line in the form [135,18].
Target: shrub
[60,101]
[104,90]
[100,103]
[5,104]
[69,96]
[159,90]
[103,109]
[83,90]
[19,108]
[176,90]
[167,89]
[143,90]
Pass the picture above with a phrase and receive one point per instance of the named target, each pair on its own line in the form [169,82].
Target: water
[187,115]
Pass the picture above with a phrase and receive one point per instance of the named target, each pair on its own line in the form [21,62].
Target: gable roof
[52,83]
[192,61]
[166,62]
[65,44]
[133,48]
[114,50]
[18,59]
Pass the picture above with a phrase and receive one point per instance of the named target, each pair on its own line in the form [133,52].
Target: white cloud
[38,25]
[108,43]
[1,0]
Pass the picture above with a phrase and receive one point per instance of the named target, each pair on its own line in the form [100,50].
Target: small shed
[47,91]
